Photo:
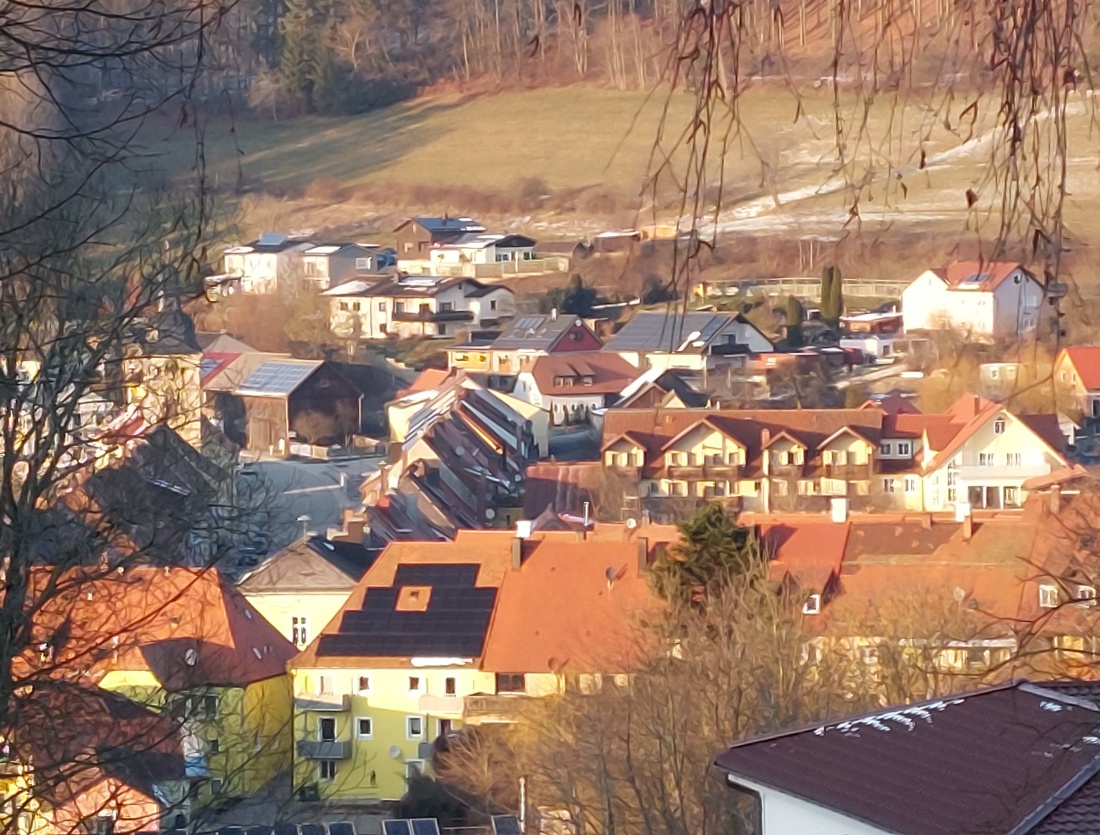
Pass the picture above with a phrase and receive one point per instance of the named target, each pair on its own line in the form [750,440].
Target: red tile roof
[609,373]
[429,379]
[997,271]
[1086,362]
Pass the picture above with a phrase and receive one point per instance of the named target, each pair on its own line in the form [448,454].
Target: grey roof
[450,224]
[671,331]
[312,564]
[1000,760]
[535,331]
[275,242]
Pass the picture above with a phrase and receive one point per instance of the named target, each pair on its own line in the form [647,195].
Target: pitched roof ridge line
[1048,807]
[813,726]
[1054,695]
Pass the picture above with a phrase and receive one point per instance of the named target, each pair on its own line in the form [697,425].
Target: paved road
[288,490]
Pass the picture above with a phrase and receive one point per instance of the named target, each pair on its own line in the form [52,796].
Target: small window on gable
[414,684]
[1048,597]
[903,448]
[364,684]
[999,426]
[812,606]
[1086,595]
[450,686]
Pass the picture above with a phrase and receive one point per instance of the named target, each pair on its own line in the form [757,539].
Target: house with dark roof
[417,235]
[1077,378]
[1017,758]
[977,456]
[533,335]
[327,264]
[300,588]
[259,266]
[408,306]
[980,299]
[480,248]
[695,340]
[657,388]
[571,385]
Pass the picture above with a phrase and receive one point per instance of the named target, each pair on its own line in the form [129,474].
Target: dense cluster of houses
[344,659]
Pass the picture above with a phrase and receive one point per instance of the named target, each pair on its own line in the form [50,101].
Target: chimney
[1056,499]
[968,528]
[553,314]
[839,510]
[524,527]
[517,553]
[643,554]
[926,521]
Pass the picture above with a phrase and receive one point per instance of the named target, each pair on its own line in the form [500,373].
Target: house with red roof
[981,299]
[1077,377]
[571,385]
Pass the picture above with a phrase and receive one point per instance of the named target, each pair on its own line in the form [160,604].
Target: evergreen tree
[301,47]
[832,296]
[795,316]
[712,550]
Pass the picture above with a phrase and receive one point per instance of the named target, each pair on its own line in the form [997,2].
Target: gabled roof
[855,431]
[445,224]
[1086,362]
[983,276]
[188,628]
[722,427]
[996,760]
[536,331]
[970,413]
[313,564]
[675,332]
[481,241]
[221,343]
[607,373]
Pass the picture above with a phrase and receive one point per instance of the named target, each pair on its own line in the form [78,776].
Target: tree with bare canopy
[110,512]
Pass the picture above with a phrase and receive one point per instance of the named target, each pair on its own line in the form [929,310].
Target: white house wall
[785,814]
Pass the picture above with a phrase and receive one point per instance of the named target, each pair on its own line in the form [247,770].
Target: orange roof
[994,272]
[573,605]
[1086,362]
[428,380]
[187,627]
[812,552]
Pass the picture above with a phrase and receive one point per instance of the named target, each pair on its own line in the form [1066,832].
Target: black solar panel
[506,825]
[277,377]
[425,826]
[311,829]
[341,828]
[454,623]
[257,830]
[286,829]
[231,830]
[396,827]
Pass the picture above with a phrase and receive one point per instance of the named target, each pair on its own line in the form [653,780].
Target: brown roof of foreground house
[984,275]
[997,760]
[608,373]
[1086,362]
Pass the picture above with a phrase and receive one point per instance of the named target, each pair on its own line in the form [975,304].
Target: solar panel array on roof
[506,825]
[311,829]
[277,377]
[976,278]
[657,331]
[453,624]
[425,826]
[341,828]
[397,827]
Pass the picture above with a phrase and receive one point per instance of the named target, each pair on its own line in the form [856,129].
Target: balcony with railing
[441,705]
[487,708]
[428,315]
[1007,472]
[324,749]
[848,472]
[322,703]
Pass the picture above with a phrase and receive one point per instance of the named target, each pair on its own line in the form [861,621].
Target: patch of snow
[905,717]
[1053,707]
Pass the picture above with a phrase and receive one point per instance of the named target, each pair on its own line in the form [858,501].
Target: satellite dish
[631,523]
[490,513]
[459,451]
[190,657]
[395,752]
[959,594]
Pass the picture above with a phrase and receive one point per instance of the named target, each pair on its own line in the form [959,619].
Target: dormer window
[812,606]
[1086,595]
[1048,597]
[905,448]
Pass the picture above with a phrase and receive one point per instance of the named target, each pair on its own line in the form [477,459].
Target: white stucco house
[258,266]
[693,341]
[408,306]
[481,248]
[978,299]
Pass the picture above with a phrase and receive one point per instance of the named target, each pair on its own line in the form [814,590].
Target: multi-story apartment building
[977,455]
[259,266]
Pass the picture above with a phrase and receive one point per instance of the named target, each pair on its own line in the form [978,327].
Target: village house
[977,299]
[260,266]
[978,455]
[441,634]
[299,589]
[183,641]
[415,237]
[329,264]
[571,385]
[1077,379]
[525,339]
[479,248]
[1017,757]
[695,340]
[409,306]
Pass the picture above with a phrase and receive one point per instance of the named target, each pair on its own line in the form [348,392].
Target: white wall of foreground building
[785,814]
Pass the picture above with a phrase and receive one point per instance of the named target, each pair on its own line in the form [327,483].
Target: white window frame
[411,764]
[885,448]
[999,426]
[912,485]
[1014,459]
[1086,595]
[358,728]
[408,727]
[322,765]
[299,630]
[362,263]
[418,689]
[985,459]
[321,729]
[452,683]
[812,606]
[1048,596]
[904,448]
[358,685]
[889,486]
